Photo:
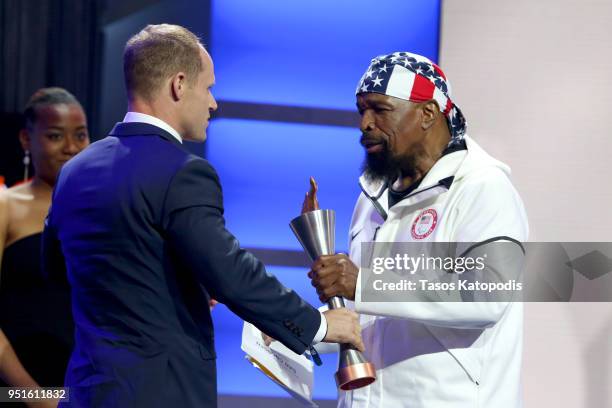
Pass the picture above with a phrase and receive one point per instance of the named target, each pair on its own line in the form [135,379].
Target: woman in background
[35,316]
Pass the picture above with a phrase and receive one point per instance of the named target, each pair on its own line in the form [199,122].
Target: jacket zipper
[381,211]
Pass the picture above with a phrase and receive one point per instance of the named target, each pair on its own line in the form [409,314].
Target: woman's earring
[26,165]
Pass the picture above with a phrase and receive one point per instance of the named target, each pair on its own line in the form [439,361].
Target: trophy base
[355,376]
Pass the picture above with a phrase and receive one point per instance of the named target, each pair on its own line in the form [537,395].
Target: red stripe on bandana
[439,71]
[449,106]
[422,90]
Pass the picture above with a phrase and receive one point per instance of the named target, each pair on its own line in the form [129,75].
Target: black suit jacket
[138,221]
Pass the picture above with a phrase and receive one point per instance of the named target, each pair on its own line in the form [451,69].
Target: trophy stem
[336,302]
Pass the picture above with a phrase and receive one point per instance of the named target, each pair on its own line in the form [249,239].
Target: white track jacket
[442,354]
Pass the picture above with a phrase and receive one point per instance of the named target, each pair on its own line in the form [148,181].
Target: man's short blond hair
[155,54]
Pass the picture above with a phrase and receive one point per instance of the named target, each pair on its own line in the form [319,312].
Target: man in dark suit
[138,221]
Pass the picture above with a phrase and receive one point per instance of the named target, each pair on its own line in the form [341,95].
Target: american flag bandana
[414,78]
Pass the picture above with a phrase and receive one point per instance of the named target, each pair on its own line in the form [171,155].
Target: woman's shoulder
[5,198]
[16,210]
[19,191]
[19,194]
[4,216]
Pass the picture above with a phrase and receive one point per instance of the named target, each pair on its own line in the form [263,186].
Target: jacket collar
[478,159]
[124,129]
[133,116]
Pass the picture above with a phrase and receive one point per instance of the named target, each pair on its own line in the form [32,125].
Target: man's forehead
[209,67]
[204,55]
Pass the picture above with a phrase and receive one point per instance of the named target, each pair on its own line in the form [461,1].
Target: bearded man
[426,181]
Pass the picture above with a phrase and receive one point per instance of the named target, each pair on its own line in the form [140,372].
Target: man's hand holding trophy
[334,276]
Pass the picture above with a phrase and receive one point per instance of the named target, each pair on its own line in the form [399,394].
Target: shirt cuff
[322,332]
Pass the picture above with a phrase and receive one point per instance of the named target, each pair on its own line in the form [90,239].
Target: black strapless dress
[35,316]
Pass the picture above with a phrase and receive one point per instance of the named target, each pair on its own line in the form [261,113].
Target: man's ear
[24,139]
[431,111]
[178,86]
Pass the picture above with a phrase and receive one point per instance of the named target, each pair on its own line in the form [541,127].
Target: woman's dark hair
[46,97]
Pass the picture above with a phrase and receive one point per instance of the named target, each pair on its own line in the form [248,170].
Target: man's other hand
[334,275]
[343,327]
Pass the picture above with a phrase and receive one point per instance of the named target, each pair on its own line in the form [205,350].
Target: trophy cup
[315,229]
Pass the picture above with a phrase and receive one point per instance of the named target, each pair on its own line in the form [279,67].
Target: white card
[292,372]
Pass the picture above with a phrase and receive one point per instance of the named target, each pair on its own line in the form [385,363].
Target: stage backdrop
[533,79]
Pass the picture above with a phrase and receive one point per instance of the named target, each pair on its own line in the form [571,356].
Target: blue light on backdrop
[295,53]
[312,53]
[264,169]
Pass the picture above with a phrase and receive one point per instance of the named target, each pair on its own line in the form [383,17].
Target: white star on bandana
[377,81]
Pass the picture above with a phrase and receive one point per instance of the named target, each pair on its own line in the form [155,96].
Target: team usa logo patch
[424,224]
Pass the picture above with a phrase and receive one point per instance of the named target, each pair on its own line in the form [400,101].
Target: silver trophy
[315,229]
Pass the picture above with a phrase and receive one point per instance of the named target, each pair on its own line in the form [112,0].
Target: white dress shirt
[152,120]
